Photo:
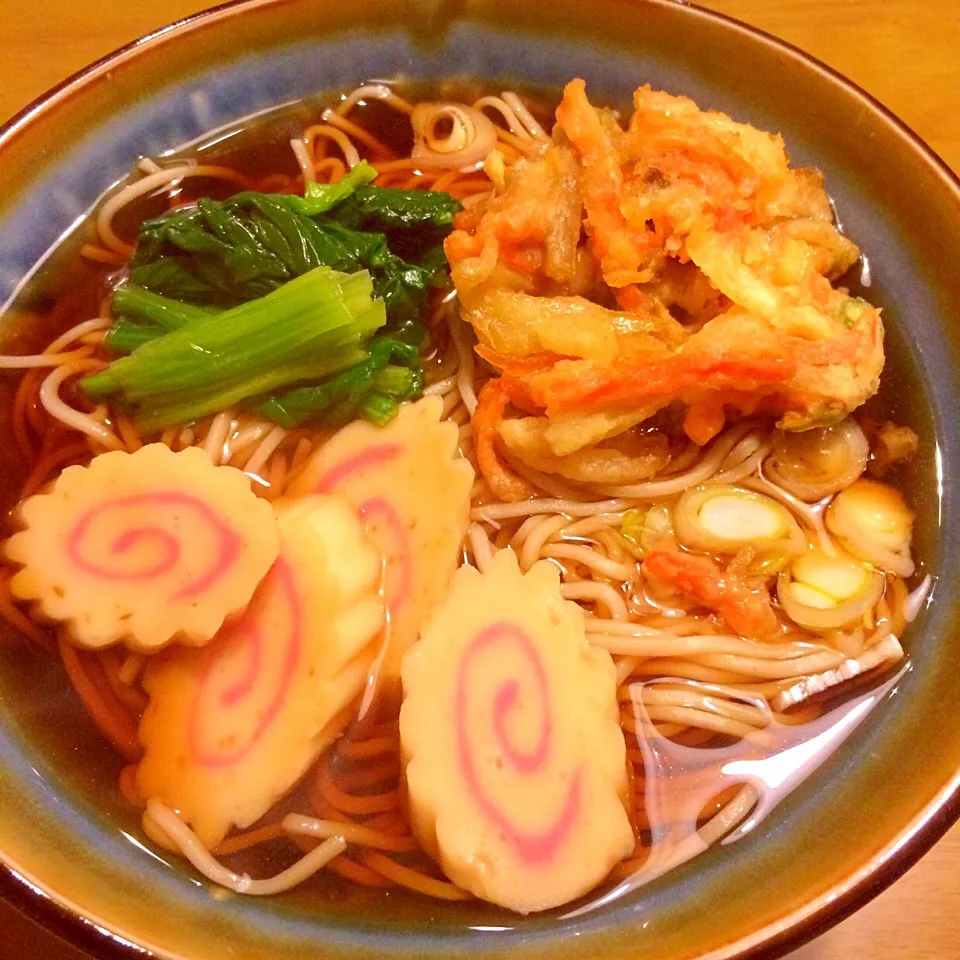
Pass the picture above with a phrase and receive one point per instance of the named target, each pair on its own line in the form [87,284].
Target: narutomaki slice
[413,492]
[143,548]
[513,753]
[230,728]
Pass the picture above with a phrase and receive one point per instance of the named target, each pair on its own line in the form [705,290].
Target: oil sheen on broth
[647,567]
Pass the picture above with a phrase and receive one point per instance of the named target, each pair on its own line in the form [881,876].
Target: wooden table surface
[905,52]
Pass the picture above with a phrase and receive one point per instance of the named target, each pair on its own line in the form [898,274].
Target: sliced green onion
[648,528]
[873,522]
[731,517]
[631,526]
[810,596]
[851,310]
[839,577]
[723,519]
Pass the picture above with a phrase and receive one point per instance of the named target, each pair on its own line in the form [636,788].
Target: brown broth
[69,289]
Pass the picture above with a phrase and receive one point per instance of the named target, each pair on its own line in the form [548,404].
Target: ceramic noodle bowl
[72,849]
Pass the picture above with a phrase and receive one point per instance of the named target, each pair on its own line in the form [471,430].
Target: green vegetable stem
[313,326]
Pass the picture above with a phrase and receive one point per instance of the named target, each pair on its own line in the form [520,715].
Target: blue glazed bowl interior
[64,786]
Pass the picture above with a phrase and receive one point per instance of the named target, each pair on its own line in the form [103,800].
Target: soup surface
[478,495]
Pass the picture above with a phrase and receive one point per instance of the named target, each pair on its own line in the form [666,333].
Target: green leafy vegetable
[392,368]
[216,310]
[126,335]
[311,327]
[226,252]
[397,381]
[379,409]
[387,209]
[133,302]
[188,408]
[143,316]
[320,197]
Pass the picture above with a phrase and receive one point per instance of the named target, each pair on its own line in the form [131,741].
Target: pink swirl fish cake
[143,548]
[412,491]
[513,754]
[232,727]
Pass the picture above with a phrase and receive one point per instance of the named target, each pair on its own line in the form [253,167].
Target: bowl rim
[44,906]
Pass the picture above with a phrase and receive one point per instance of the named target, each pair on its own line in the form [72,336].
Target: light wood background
[905,52]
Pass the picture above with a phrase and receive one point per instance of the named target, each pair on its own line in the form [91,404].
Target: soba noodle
[721,684]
